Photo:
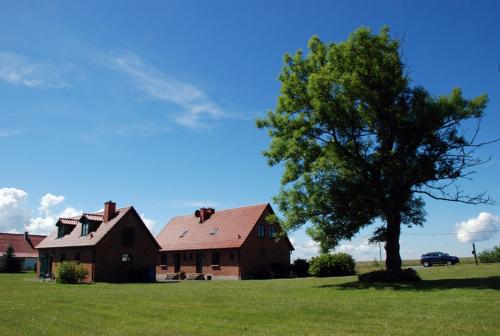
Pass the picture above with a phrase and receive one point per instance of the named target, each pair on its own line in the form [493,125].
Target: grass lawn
[456,300]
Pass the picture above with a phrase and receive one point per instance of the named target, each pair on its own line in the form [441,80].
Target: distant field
[456,300]
[366,266]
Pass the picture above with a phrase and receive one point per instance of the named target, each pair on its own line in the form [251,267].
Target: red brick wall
[227,268]
[108,253]
[85,259]
[258,254]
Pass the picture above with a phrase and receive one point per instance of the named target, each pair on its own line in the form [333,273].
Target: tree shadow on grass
[492,282]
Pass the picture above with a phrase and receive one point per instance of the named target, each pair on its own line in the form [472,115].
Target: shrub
[405,275]
[70,272]
[337,264]
[9,263]
[490,256]
[300,267]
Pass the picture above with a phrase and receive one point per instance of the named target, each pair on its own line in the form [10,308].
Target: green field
[456,300]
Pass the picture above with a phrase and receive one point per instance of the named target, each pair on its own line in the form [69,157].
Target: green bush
[490,256]
[70,272]
[405,275]
[337,264]
[300,268]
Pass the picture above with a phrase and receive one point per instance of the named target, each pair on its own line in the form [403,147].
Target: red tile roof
[21,247]
[229,229]
[75,238]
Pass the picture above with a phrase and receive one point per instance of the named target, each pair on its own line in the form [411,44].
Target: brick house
[24,247]
[233,244]
[114,246]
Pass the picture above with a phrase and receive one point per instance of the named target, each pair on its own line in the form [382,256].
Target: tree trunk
[393,259]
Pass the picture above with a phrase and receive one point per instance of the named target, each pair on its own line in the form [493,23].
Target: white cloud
[360,250]
[150,223]
[197,108]
[18,69]
[45,222]
[13,211]
[49,200]
[304,249]
[70,212]
[16,216]
[483,227]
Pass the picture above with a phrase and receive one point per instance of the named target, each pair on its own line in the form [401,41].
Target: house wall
[109,266]
[228,267]
[260,255]
[70,253]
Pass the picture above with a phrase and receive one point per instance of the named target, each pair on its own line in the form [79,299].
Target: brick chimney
[204,213]
[109,211]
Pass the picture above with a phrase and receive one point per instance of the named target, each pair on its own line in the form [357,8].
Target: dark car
[434,258]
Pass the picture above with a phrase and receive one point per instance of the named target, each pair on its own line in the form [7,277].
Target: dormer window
[85,228]
[60,231]
[63,229]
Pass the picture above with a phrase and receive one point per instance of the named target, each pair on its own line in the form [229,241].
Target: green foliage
[70,272]
[326,265]
[405,275]
[300,267]
[9,263]
[358,143]
[490,256]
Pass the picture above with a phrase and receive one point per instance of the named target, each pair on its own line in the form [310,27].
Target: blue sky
[153,103]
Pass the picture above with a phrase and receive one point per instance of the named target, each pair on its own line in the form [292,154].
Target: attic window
[261,231]
[183,234]
[60,231]
[272,231]
[85,228]
[214,231]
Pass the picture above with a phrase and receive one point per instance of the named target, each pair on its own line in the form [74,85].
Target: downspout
[93,264]
[239,263]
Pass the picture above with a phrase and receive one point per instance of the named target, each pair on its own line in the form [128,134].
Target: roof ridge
[227,209]
[101,213]
[21,234]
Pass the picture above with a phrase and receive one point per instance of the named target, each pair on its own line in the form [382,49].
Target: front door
[199,262]
[45,264]
[177,262]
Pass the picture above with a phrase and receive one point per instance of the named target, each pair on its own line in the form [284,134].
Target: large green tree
[359,143]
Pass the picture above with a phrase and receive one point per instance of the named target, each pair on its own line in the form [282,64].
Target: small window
[183,234]
[231,255]
[184,256]
[215,258]
[164,259]
[126,257]
[77,256]
[60,231]
[261,231]
[191,256]
[85,228]
[272,231]
[128,236]
[214,231]
[63,256]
